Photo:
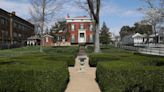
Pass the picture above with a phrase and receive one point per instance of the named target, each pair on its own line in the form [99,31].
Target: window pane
[81,34]
[81,26]
[91,27]
[72,27]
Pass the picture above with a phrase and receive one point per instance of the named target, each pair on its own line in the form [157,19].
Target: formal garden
[119,70]
[27,70]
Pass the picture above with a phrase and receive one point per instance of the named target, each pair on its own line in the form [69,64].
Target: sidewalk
[82,79]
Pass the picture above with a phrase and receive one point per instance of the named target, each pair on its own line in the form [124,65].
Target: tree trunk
[154,30]
[97,39]
[42,25]
[41,40]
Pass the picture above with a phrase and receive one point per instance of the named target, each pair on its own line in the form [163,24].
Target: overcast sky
[116,13]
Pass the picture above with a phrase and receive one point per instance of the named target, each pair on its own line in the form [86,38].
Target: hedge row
[28,70]
[63,54]
[139,76]
[37,75]
[70,59]
[95,58]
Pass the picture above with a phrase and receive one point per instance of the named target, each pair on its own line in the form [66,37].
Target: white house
[33,40]
[139,38]
[134,39]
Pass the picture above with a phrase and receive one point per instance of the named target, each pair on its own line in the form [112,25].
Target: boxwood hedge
[36,75]
[128,76]
[95,58]
[27,70]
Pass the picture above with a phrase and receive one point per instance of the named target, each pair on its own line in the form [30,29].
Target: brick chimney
[68,16]
[13,13]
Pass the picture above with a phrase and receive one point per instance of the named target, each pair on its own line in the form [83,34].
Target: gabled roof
[153,35]
[33,37]
[138,35]
[47,35]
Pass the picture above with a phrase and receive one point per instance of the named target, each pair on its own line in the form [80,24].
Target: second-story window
[15,25]
[19,26]
[4,34]
[2,21]
[91,27]
[72,27]
[81,26]
[14,34]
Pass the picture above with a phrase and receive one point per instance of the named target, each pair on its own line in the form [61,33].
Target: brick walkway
[82,79]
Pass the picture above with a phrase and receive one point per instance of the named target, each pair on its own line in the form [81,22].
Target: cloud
[131,13]
[72,9]
[109,9]
[21,9]
[115,30]
[112,9]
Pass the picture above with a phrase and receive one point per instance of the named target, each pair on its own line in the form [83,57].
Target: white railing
[148,50]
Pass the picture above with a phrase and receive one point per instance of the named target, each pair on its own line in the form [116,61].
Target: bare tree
[83,5]
[93,9]
[42,12]
[153,14]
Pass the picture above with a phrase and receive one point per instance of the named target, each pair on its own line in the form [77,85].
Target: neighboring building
[127,40]
[33,40]
[48,40]
[135,39]
[161,35]
[80,29]
[139,38]
[115,40]
[14,30]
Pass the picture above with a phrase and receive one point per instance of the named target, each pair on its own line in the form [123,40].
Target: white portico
[81,36]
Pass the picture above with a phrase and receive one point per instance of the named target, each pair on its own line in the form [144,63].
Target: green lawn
[27,70]
[120,70]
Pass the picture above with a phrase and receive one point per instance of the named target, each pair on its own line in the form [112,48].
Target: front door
[82,38]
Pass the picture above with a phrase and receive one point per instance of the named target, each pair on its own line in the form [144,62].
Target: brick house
[80,29]
[48,40]
[14,30]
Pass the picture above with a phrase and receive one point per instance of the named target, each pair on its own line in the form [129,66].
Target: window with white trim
[2,21]
[72,27]
[81,26]
[91,27]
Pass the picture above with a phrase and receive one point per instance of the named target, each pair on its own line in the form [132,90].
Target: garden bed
[131,76]
[120,70]
[28,70]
